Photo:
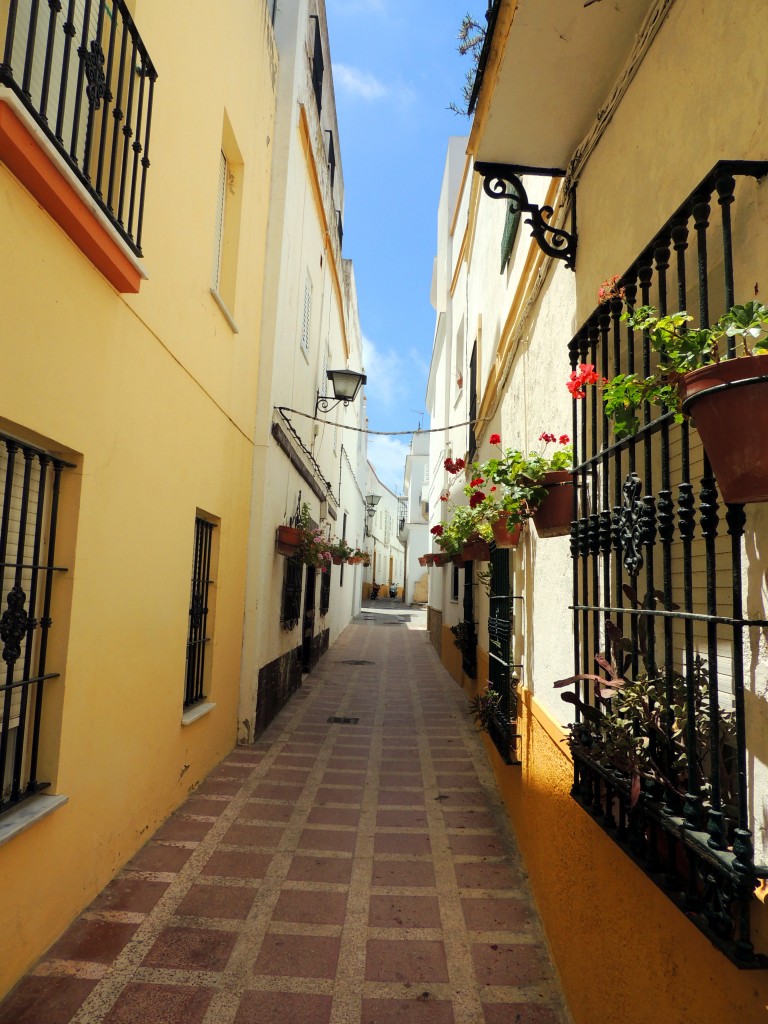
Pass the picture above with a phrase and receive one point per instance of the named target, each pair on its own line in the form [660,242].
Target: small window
[227,224]
[331,158]
[290,606]
[511,224]
[325,591]
[306,320]
[199,614]
[318,66]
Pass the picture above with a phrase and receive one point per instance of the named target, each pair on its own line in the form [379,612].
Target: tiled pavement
[332,874]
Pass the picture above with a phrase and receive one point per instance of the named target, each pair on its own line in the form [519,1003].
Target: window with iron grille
[318,66]
[501,678]
[197,634]
[306,320]
[464,632]
[30,480]
[290,606]
[511,224]
[472,440]
[658,592]
[325,591]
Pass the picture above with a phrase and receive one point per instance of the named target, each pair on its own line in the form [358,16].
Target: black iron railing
[658,591]
[325,590]
[30,480]
[502,680]
[82,71]
[197,638]
[290,606]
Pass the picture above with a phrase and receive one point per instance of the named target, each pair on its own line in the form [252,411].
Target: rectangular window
[318,65]
[290,606]
[331,158]
[306,320]
[325,591]
[472,440]
[226,240]
[197,635]
[29,496]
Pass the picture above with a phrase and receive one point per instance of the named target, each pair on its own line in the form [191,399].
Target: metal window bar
[468,633]
[318,66]
[290,606]
[502,726]
[658,586]
[30,483]
[197,639]
[472,440]
[331,157]
[325,591]
[82,71]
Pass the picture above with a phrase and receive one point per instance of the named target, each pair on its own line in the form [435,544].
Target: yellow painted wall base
[624,952]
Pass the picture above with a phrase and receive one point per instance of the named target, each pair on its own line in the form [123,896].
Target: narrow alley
[354,866]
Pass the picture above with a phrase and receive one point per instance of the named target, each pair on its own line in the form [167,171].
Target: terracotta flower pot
[288,540]
[476,551]
[337,559]
[428,559]
[459,559]
[553,516]
[422,560]
[440,560]
[352,560]
[730,411]
[504,537]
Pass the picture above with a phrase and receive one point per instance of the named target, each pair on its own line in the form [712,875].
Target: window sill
[32,810]
[227,315]
[198,711]
[36,164]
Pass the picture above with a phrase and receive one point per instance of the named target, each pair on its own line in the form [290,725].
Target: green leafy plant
[315,549]
[680,348]
[340,549]
[486,708]
[639,726]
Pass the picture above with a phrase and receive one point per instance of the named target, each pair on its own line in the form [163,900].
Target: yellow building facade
[134,188]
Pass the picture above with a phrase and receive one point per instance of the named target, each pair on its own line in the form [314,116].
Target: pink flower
[495,439]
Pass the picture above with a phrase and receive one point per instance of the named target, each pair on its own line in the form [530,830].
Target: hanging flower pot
[337,559]
[422,560]
[354,560]
[504,537]
[288,540]
[440,560]
[729,405]
[553,516]
[428,559]
[476,550]
[459,560]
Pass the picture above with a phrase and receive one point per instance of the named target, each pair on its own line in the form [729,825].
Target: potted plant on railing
[340,551]
[535,485]
[722,393]
[314,549]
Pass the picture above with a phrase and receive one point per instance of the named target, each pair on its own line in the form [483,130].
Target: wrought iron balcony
[82,72]
[659,581]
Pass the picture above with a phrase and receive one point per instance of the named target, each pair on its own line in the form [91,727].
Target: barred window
[290,607]
[659,584]
[325,591]
[197,631]
[30,500]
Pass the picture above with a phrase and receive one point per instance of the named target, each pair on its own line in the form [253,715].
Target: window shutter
[219,226]
[306,322]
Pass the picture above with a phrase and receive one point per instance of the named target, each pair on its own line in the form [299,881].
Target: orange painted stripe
[21,153]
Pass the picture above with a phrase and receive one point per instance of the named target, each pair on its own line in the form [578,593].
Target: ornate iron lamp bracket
[502,181]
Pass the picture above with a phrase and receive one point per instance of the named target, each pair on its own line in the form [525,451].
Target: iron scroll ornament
[631,524]
[502,181]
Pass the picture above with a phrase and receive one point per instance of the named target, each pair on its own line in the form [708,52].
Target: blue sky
[395,70]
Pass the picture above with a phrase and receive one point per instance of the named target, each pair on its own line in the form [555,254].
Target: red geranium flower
[495,439]
[563,439]
[437,530]
[477,499]
[585,374]
[547,437]
[476,482]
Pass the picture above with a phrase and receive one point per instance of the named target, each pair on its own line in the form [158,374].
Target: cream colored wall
[155,396]
[302,239]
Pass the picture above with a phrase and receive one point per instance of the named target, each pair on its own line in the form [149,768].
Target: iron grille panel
[197,639]
[290,608]
[325,591]
[658,588]
[30,481]
[501,728]
[84,74]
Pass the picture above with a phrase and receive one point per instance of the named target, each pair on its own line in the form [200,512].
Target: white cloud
[385,371]
[359,83]
[387,455]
